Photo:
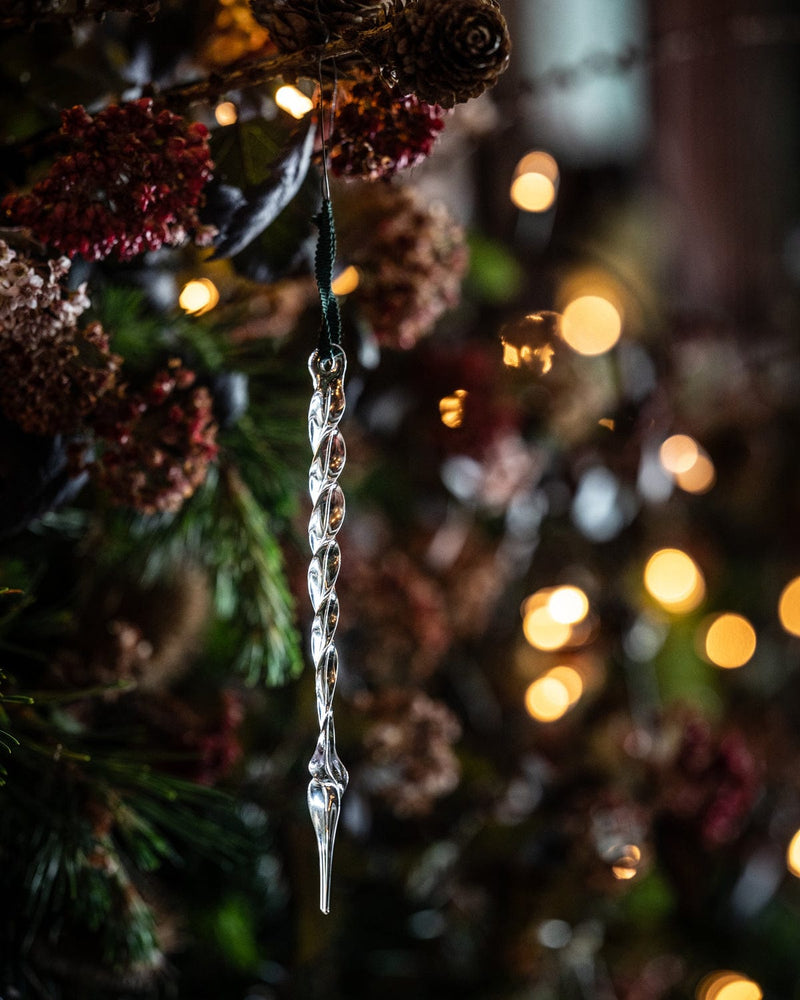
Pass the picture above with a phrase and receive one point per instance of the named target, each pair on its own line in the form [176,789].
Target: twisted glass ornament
[328,774]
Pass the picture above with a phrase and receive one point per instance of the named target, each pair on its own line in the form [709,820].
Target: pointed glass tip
[324,804]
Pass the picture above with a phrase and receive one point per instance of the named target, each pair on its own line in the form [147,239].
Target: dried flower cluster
[132,181]
[712,781]
[51,373]
[157,444]
[378,130]
[411,258]
[409,743]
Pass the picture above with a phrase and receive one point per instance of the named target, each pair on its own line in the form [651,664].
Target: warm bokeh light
[727,985]
[538,162]
[626,864]
[547,699]
[789,606]
[674,579]
[678,453]
[793,855]
[451,409]
[198,296]
[568,605]
[542,631]
[700,477]
[226,113]
[591,325]
[570,678]
[293,101]
[730,641]
[533,192]
[346,282]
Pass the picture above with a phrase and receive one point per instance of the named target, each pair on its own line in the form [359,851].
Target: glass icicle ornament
[328,774]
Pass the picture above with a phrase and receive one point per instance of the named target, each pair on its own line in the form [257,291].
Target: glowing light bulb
[568,605]
[547,699]
[533,192]
[678,453]
[226,113]
[198,296]
[727,985]
[700,477]
[793,855]
[451,409]
[293,101]
[570,678]
[730,641]
[591,325]
[626,863]
[346,282]
[537,162]
[673,578]
[789,606]
[542,631]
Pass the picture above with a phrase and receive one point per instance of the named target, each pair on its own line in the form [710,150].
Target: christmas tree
[566,594]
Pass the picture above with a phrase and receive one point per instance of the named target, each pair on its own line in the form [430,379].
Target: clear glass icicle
[328,774]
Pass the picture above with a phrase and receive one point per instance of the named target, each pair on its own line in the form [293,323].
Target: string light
[198,296]
[568,605]
[793,855]
[570,678]
[542,631]
[626,866]
[451,409]
[346,282]
[674,579]
[535,181]
[730,641]
[678,453]
[591,324]
[547,699]
[226,113]
[700,477]
[726,985]
[293,101]
[789,606]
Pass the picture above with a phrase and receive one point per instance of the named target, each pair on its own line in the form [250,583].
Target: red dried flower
[378,130]
[132,181]
[157,445]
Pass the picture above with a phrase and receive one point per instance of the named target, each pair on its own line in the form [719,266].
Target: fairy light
[674,579]
[346,282]
[542,631]
[789,606]
[730,641]
[226,113]
[535,181]
[724,984]
[451,409]
[678,453]
[591,324]
[793,855]
[568,605]
[570,678]
[293,101]
[626,865]
[198,296]
[547,699]
[700,477]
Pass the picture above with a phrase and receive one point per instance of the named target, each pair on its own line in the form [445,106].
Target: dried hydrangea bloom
[52,374]
[132,181]
[156,445]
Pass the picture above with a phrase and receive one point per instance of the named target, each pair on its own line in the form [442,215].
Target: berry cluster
[378,130]
[132,181]
[157,444]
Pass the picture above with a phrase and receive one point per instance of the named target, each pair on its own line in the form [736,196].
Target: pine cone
[446,51]
[297,24]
